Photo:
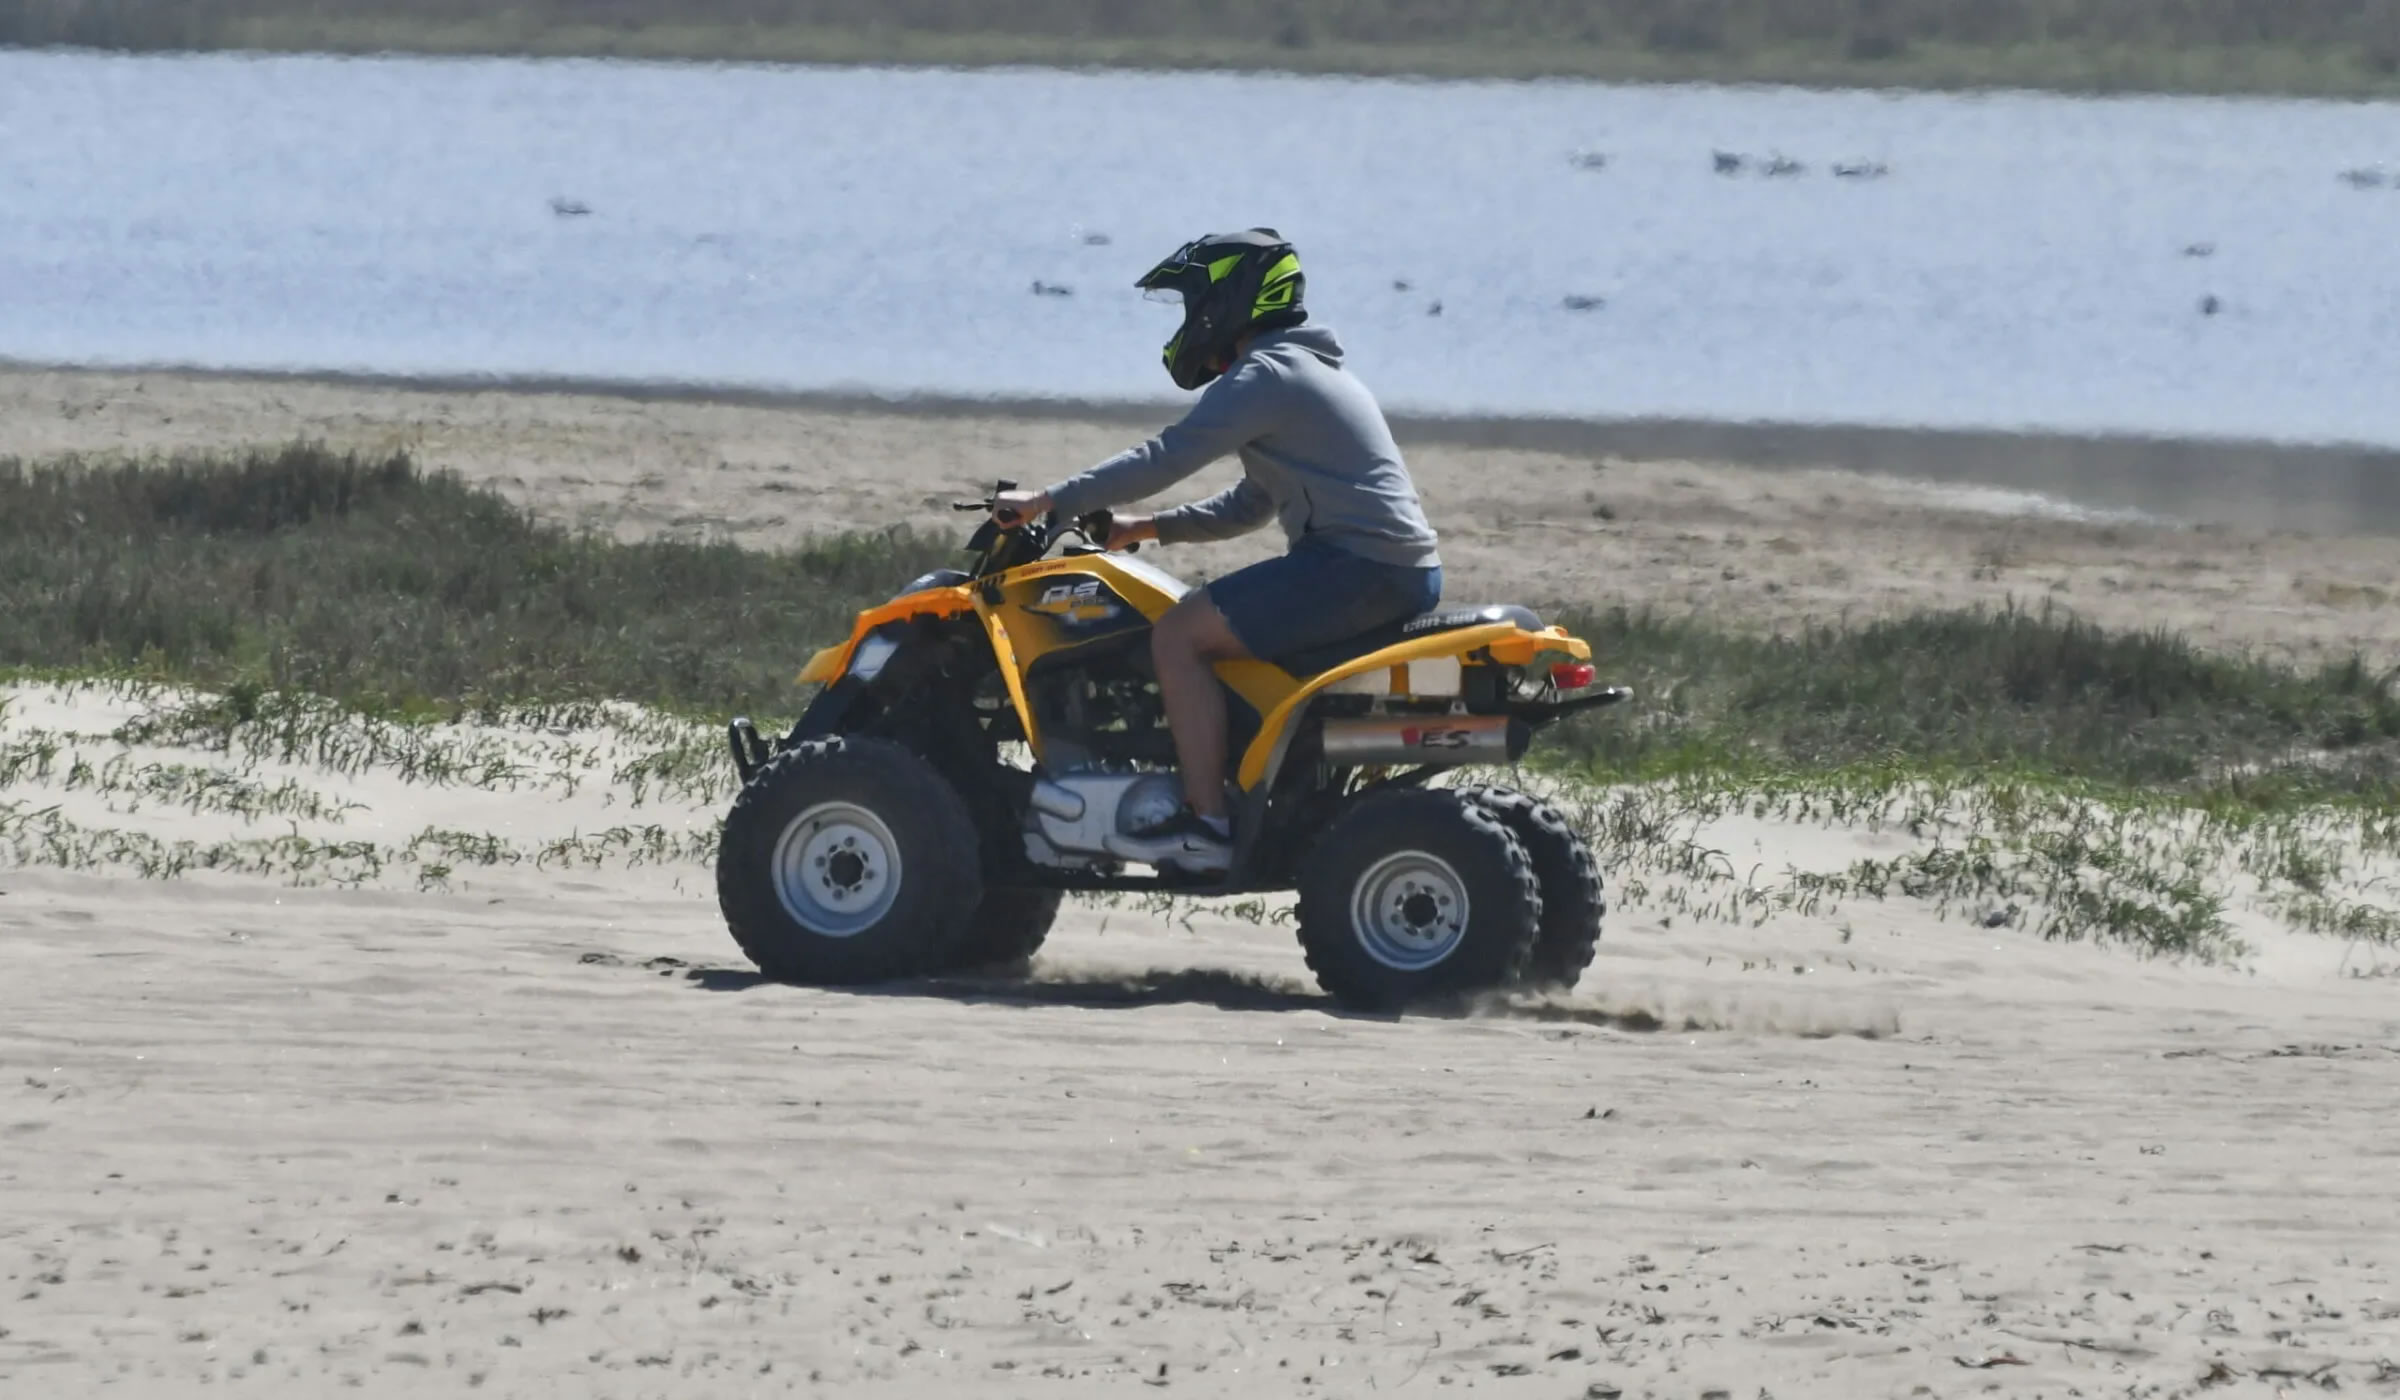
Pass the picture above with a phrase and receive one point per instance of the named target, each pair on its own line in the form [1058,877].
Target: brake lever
[986,503]
[1007,520]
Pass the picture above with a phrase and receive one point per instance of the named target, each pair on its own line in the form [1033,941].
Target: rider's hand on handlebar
[1126,531]
[1013,508]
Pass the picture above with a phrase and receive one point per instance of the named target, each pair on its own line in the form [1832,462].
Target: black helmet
[1230,285]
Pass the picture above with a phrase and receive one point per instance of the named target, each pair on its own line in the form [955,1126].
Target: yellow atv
[983,742]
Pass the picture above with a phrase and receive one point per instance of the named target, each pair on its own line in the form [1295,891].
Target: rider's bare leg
[1185,645]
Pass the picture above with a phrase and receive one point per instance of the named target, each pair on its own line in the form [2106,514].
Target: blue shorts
[1318,595]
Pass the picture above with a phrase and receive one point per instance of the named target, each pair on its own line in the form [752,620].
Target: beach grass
[352,614]
[373,582]
[370,581]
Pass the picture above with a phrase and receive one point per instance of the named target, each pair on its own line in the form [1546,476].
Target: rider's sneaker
[1186,840]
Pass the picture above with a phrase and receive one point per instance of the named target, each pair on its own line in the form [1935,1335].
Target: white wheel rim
[1409,911]
[837,869]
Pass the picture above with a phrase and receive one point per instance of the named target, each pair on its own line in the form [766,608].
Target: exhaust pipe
[1440,741]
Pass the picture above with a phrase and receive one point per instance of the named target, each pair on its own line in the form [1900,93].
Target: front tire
[1570,877]
[848,860]
[1008,929]
[1417,897]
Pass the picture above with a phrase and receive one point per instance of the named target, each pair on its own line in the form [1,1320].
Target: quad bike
[899,828]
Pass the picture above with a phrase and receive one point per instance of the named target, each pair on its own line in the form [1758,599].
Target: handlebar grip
[1099,525]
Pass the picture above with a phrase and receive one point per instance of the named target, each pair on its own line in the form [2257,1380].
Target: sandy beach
[433,1072]
[531,1124]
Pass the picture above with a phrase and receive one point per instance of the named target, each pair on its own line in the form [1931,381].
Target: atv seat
[1318,660]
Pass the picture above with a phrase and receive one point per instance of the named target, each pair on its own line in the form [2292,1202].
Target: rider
[1317,457]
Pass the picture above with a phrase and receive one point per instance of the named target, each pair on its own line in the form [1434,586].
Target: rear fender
[1503,642]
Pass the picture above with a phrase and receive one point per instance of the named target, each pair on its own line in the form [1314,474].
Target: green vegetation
[258,757]
[2054,776]
[384,586]
[2157,871]
[336,613]
[2292,46]
[387,588]
[2036,693]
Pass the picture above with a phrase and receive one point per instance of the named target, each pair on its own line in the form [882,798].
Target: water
[2023,265]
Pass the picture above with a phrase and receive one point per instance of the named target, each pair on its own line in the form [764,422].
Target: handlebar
[1099,525]
[986,503]
[1095,526]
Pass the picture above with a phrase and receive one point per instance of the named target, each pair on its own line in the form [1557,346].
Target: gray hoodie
[1316,455]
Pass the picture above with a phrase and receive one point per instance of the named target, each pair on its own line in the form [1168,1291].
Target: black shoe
[1184,840]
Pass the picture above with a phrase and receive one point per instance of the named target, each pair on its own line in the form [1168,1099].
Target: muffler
[1441,741]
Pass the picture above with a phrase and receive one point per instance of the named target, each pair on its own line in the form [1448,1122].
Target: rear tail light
[1573,675]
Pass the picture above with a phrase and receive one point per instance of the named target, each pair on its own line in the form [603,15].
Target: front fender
[827,713]
[833,662]
[886,660]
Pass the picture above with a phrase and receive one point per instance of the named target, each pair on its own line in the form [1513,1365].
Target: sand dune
[533,1128]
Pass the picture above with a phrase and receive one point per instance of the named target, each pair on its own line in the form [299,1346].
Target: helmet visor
[1168,296]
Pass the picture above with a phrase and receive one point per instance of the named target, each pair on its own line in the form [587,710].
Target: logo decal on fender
[1076,603]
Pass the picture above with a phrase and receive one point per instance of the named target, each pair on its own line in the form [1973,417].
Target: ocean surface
[2180,267]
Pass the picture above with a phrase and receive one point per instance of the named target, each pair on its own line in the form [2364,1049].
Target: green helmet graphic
[1230,285]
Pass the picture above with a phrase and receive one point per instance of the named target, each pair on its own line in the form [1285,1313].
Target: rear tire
[1572,904]
[848,860]
[1008,929]
[1415,898]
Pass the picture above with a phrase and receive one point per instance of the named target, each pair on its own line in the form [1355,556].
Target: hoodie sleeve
[1236,510]
[1240,407]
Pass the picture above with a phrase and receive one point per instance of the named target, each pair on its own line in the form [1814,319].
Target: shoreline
[2330,73]
[2331,488]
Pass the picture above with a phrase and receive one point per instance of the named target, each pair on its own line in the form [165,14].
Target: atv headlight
[866,663]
